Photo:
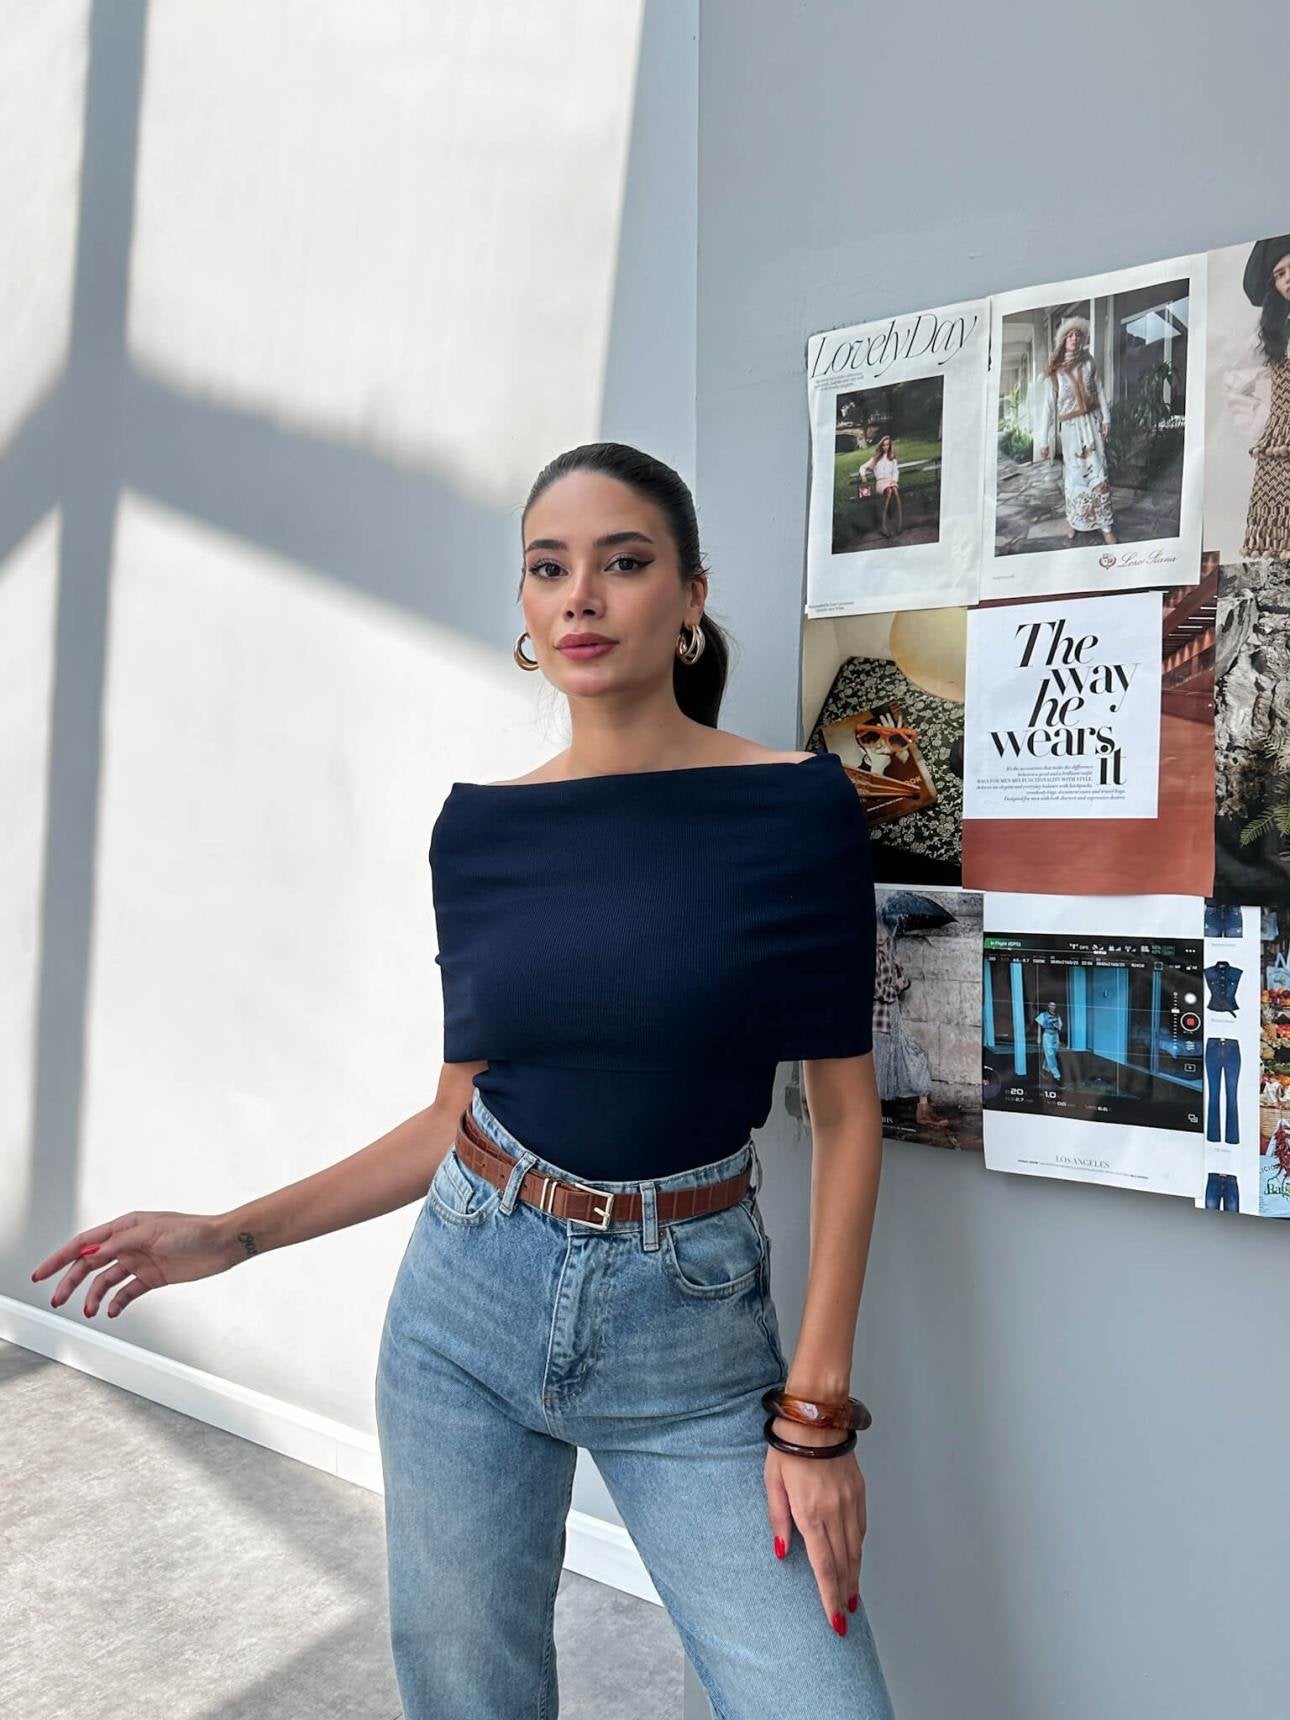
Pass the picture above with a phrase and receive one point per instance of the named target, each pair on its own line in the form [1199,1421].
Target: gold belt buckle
[548,1195]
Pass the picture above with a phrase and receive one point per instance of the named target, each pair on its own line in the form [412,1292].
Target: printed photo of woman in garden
[881,501]
[1075,415]
[1094,452]
[883,468]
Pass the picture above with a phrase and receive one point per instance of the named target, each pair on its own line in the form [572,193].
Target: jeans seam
[777,1359]
[550,1609]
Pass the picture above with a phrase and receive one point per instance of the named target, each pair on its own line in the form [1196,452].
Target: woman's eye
[538,566]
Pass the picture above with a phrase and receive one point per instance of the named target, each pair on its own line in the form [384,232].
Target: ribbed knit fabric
[634,953]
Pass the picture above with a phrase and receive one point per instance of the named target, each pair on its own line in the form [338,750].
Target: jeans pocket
[716,1255]
[459,1194]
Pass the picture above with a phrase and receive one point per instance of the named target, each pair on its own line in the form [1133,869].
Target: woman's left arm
[846,1158]
[825,1497]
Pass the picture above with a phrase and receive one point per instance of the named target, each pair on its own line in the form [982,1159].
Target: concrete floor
[150,1564]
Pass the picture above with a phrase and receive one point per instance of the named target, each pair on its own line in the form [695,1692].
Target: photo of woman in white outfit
[884,468]
[1075,415]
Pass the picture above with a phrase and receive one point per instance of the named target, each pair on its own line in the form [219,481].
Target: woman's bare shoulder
[550,771]
[723,748]
[727,748]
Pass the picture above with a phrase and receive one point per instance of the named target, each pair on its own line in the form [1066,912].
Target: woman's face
[1073,342]
[1281,275]
[598,558]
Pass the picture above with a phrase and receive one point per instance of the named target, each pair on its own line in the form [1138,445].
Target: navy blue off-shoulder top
[634,953]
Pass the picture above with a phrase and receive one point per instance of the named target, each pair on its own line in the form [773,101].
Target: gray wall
[1076,1502]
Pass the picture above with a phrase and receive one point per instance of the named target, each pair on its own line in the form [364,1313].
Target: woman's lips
[597,649]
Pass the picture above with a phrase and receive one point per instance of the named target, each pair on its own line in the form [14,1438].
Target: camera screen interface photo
[1107,1030]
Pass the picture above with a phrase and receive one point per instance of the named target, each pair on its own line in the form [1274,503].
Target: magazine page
[1274,1063]
[1095,457]
[1093,1030]
[1064,708]
[1089,744]
[1247,402]
[1252,734]
[897,414]
[1233,952]
[885,692]
[926,1016]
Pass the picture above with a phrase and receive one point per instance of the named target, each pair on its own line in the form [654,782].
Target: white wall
[308,295]
[1078,1393]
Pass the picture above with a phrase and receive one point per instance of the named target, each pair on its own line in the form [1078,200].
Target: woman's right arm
[141,1251]
[393,1170]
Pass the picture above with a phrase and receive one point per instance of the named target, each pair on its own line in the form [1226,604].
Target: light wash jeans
[511,1338]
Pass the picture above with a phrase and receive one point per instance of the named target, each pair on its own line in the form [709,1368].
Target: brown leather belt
[585,1205]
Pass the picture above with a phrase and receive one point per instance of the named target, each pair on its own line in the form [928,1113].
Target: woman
[884,468]
[900,1062]
[1049,1023]
[1258,397]
[1074,413]
[631,937]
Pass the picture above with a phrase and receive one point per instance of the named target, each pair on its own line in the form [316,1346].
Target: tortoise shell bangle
[839,1449]
[851,1414]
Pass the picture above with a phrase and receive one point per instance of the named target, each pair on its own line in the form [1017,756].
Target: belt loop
[520,1169]
[649,1216]
[755,1171]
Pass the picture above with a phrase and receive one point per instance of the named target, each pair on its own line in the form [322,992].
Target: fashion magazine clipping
[1072,746]
[897,443]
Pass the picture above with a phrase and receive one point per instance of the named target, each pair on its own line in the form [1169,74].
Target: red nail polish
[780,1548]
[839,1624]
[853,1603]
[93,1248]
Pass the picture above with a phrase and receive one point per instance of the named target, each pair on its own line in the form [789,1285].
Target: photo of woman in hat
[1258,398]
[1074,415]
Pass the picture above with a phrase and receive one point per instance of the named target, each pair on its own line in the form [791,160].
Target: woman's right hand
[148,1249]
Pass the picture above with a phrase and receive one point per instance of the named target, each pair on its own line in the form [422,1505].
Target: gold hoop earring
[518,653]
[690,652]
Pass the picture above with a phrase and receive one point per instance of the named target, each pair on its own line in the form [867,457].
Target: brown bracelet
[838,1450]
[851,1414]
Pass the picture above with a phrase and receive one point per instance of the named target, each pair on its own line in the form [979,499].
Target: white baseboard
[594,1548]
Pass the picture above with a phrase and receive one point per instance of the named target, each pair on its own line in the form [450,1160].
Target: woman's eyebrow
[600,543]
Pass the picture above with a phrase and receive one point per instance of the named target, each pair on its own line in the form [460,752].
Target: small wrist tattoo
[247,1241]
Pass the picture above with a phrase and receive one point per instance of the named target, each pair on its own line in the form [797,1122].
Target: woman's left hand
[825,1497]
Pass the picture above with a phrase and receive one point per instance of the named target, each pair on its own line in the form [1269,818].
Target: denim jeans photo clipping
[1222,919]
[1222,1192]
[1223,1071]
[513,1337]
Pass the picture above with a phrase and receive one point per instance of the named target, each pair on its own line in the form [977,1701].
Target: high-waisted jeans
[1223,1069]
[513,1337]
